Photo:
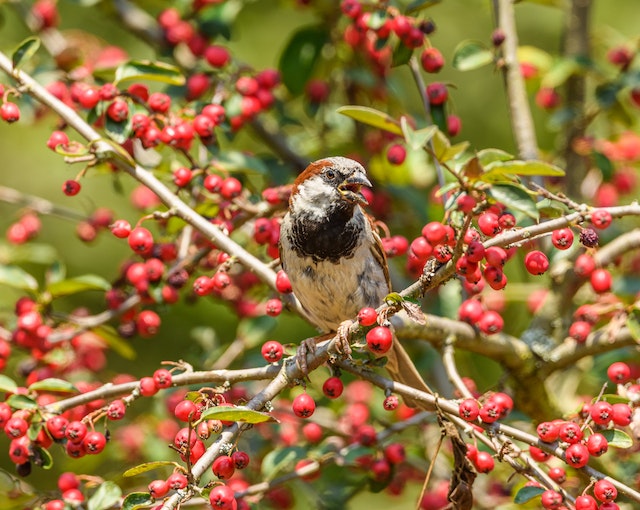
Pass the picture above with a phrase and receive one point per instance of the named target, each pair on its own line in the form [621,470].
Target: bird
[334,258]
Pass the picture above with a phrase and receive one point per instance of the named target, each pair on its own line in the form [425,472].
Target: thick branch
[519,111]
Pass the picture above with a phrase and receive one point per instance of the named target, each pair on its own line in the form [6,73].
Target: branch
[39,205]
[576,46]
[519,111]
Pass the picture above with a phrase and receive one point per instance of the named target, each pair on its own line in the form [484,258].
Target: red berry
[601,219]
[469,409]
[333,387]
[562,238]
[118,110]
[116,410]
[601,281]
[570,432]
[141,241]
[622,414]
[283,285]
[10,112]
[68,480]
[551,499]
[222,497]
[558,475]
[536,262]
[579,331]
[395,453]
[186,410]
[491,322]
[495,256]
[367,316]
[390,403]
[432,60]
[16,427]
[577,455]
[177,481]
[162,378]
[240,459]
[94,442]
[601,412]
[396,154]
[548,431]
[584,265]
[437,93]
[273,307]
[303,405]
[597,444]
[217,56]
[75,431]
[489,224]
[586,502]
[272,351]
[484,462]
[158,488]
[71,188]
[230,188]
[57,138]
[379,339]
[147,323]
[159,102]
[604,490]
[547,98]
[182,176]
[223,467]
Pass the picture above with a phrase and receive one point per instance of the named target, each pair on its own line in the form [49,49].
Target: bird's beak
[350,187]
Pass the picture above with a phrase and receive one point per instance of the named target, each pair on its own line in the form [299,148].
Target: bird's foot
[343,346]
[307,346]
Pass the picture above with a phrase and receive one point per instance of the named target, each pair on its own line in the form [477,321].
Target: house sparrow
[333,256]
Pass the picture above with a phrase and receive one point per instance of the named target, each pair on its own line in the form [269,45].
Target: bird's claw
[306,346]
[343,346]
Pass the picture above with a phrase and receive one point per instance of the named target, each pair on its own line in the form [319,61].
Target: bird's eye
[330,174]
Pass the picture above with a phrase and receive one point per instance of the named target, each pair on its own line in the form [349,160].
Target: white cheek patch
[313,197]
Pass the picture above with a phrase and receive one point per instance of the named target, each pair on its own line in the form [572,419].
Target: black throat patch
[331,238]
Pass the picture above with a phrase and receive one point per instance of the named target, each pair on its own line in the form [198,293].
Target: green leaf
[552,208]
[136,70]
[535,56]
[279,460]
[517,167]
[36,253]
[560,72]
[137,500]
[53,384]
[417,139]
[617,438]
[454,151]
[526,494]
[115,341]
[515,197]
[118,131]
[56,272]
[607,94]
[488,156]
[634,326]
[214,20]
[401,55]
[237,413]
[7,385]
[470,55]
[372,117]
[604,164]
[21,402]
[78,284]
[25,50]
[18,278]
[148,466]
[418,5]
[300,57]
[352,456]
[42,458]
[107,496]
[613,398]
